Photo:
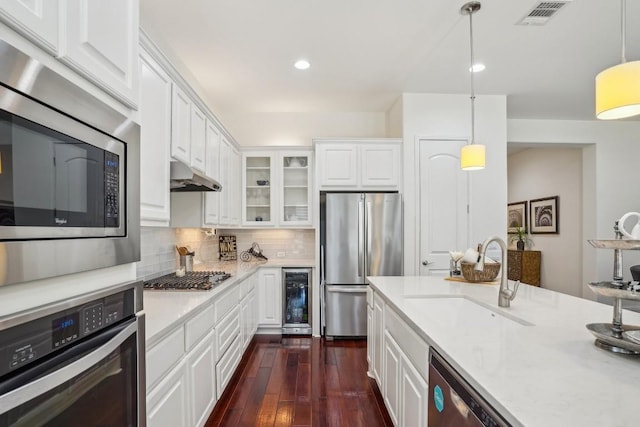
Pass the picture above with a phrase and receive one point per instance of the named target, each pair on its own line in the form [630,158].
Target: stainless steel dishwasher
[453,402]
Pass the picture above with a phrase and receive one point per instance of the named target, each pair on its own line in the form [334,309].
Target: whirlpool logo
[60,221]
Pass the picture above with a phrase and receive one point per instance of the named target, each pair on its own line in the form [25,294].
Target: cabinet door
[337,165]
[198,139]
[212,149]
[101,41]
[295,188]
[236,187]
[414,393]
[270,297]
[167,403]
[370,340]
[155,142]
[201,365]
[224,197]
[180,125]
[378,330]
[380,166]
[391,379]
[260,188]
[36,19]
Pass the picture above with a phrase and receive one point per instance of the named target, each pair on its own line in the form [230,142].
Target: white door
[37,19]
[101,40]
[444,189]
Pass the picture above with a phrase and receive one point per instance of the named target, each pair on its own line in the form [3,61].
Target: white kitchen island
[534,362]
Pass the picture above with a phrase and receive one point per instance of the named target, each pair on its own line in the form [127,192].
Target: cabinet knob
[426,262]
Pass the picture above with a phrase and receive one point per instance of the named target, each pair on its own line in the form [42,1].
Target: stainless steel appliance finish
[60,360]
[361,235]
[56,102]
[184,179]
[191,281]
[296,307]
[453,402]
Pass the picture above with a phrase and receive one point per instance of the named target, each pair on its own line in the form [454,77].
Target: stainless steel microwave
[69,174]
[59,178]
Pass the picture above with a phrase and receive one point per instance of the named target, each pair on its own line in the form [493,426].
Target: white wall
[449,116]
[611,168]
[298,129]
[542,172]
[395,117]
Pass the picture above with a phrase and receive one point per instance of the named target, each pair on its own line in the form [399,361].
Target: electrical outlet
[281,254]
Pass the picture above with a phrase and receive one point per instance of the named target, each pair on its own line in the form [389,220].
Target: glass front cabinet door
[296,188]
[258,189]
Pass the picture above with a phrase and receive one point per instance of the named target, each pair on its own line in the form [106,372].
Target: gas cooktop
[191,281]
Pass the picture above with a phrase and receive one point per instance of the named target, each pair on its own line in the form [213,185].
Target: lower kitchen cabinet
[167,403]
[270,298]
[399,362]
[201,365]
[227,365]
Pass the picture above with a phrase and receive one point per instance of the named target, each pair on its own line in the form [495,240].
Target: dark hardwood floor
[301,381]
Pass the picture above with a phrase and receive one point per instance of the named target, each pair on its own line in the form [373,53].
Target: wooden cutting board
[463,280]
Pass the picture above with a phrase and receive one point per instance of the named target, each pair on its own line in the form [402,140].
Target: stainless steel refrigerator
[360,236]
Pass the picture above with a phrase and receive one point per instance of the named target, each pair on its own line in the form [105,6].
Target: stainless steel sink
[460,310]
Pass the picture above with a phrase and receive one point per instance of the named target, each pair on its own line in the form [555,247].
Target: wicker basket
[489,273]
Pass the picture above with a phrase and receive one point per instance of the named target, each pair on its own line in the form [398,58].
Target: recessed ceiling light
[476,68]
[302,64]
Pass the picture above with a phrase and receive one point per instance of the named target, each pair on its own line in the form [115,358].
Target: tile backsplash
[159,256]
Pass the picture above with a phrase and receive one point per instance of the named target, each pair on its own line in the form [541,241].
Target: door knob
[426,262]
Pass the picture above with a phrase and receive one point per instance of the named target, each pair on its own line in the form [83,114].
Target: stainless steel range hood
[184,179]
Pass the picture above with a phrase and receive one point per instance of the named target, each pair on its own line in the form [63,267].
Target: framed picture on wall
[517,216]
[544,215]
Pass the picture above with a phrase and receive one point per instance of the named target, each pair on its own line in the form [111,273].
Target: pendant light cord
[623,26]
[473,95]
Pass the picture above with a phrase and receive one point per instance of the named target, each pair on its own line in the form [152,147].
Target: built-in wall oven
[76,363]
[69,175]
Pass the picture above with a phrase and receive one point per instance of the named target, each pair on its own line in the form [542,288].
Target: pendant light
[618,87]
[472,156]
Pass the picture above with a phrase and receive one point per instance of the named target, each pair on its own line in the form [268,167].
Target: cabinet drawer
[201,324]
[226,302]
[227,365]
[415,348]
[164,355]
[228,329]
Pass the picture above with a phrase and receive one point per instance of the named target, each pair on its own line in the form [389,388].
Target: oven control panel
[28,342]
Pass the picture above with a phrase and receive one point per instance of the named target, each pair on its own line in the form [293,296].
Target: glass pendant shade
[618,91]
[472,157]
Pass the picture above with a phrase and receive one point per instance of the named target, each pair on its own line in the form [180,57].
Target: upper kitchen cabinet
[181,126]
[100,39]
[360,165]
[228,200]
[155,142]
[198,139]
[36,19]
[295,187]
[258,206]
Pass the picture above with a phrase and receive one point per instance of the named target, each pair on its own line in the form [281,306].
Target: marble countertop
[541,369]
[165,309]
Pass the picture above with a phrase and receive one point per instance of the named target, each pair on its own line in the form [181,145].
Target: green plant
[521,235]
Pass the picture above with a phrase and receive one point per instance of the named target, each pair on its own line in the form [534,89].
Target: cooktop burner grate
[191,281]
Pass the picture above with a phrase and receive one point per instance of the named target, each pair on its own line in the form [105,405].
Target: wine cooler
[297,294]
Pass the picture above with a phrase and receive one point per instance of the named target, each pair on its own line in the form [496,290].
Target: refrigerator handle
[322,290]
[321,263]
[361,226]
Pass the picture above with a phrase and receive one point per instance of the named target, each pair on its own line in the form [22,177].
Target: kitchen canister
[186,262]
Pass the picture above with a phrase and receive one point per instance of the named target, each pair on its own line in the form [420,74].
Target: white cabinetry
[366,165]
[201,364]
[378,335]
[167,403]
[198,139]
[270,298]
[415,392]
[36,19]
[391,380]
[100,38]
[277,188]
[155,142]
[181,126]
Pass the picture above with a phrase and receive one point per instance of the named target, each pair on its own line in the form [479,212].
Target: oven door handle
[38,387]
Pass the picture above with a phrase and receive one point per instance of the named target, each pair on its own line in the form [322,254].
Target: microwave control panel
[111,190]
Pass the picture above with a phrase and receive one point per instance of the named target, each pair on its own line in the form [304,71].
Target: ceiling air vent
[542,12]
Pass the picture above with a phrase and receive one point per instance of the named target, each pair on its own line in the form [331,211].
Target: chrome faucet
[506,295]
